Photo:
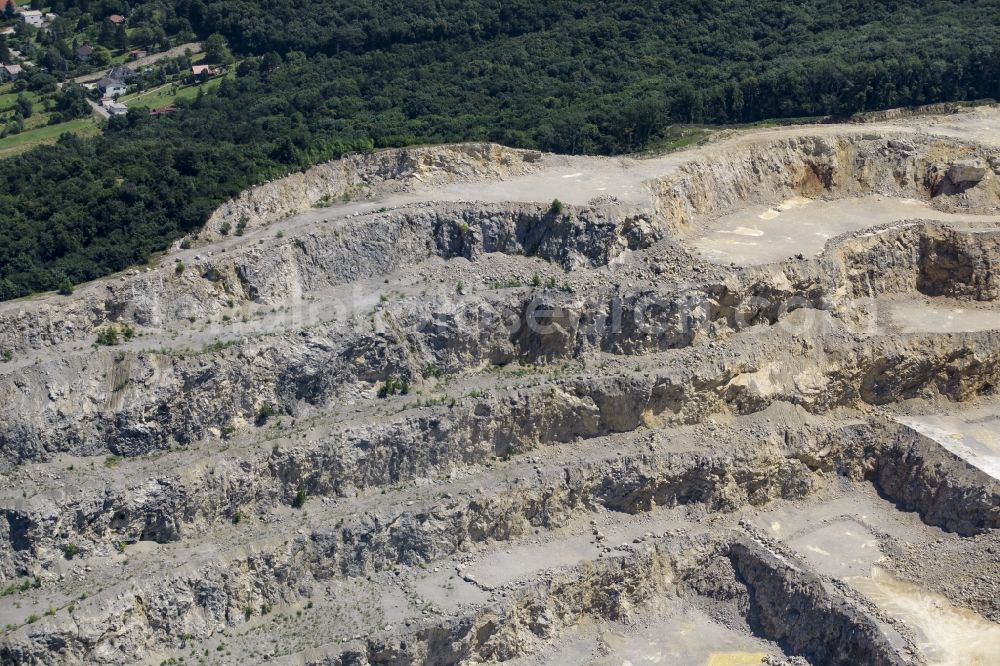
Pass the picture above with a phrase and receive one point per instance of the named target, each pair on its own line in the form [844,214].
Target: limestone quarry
[731,405]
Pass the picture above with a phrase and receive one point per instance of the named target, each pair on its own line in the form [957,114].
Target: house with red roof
[206,70]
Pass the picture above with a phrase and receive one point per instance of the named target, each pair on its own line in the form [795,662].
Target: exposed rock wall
[921,475]
[918,257]
[138,403]
[820,166]
[164,609]
[795,607]
[368,174]
[167,508]
[613,589]
[286,270]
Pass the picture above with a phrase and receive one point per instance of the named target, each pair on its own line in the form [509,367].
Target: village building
[115,108]
[121,73]
[204,70]
[32,17]
[109,87]
[9,72]
[84,52]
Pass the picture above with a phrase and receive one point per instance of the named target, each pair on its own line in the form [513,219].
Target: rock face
[436,425]
[370,175]
[947,490]
[966,172]
[794,606]
[843,165]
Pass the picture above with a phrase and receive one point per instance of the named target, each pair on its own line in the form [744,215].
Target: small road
[98,109]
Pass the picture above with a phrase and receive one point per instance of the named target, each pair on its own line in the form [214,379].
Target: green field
[8,97]
[36,131]
[160,96]
[18,143]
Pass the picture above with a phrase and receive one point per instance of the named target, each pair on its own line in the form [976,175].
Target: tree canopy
[317,78]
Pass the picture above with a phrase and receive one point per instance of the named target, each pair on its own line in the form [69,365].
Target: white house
[33,17]
[111,87]
[116,108]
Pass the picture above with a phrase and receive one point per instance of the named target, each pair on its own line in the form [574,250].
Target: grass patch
[8,97]
[678,137]
[161,96]
[28,139]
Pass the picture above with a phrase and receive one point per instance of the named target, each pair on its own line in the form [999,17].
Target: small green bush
[70,551]
[179,267]
[264,412]
[110,336]
[557,207]
[65,286]
[300,498]
[393,386]
[107,336]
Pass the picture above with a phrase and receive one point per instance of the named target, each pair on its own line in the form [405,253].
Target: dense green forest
[317,78]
